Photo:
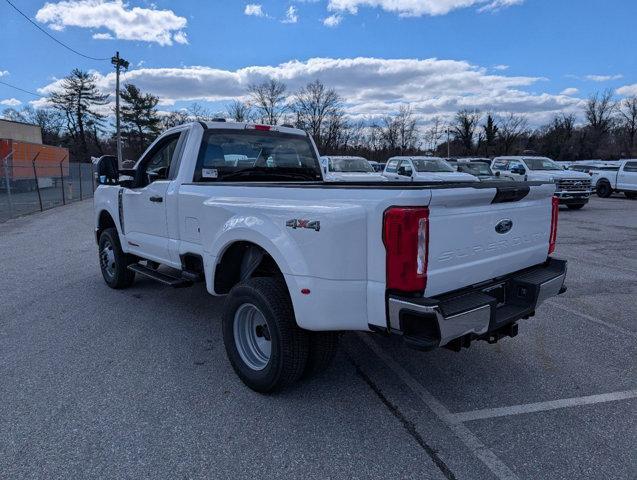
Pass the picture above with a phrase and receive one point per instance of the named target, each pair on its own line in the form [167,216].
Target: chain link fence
[34,187]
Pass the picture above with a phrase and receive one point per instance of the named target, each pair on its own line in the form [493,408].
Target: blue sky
[537,57]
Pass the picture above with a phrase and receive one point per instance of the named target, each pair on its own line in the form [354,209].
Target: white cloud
[254,10]
[291,15]
[332,20]
[501,68]
[11,102]
[628,90]
[602,78]
[103,36]
[418,8]
[124,23]
[569,91]
[4,73]
[369,86]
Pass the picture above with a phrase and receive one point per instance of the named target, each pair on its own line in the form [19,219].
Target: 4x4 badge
[301,223]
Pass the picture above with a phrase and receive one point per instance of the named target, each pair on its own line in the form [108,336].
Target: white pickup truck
[301,259]
[423,169]
[349,169]
[621,177]
[572,188]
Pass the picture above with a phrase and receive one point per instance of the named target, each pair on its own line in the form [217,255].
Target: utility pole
[119,63]
[448,149]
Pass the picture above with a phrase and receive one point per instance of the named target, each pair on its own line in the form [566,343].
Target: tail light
[555,208]
[406,239]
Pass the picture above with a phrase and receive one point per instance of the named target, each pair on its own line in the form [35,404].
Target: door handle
[156,199]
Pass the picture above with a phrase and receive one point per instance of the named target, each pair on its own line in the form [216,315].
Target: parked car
[300,259]
[588,167]
[349,169]
[478,167]
[572,188]
[424,169]
[622,178]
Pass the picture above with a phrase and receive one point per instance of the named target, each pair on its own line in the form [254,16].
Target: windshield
[475,168]
[432,165]
[541,164]
[350,165]
[250,155]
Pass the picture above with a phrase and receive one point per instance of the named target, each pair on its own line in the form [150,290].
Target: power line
[21,89]
[51,36]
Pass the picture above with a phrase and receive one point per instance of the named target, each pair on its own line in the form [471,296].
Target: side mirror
[497,173]
[518,170]
[403,172]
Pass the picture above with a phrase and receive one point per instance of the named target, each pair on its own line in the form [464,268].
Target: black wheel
[576,206]
[323,348]
[114,262]
[604,189]
[631,195]
[265,346]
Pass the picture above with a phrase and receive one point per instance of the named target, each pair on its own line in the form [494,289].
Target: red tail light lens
[555,208]
[263,128]
[406,238]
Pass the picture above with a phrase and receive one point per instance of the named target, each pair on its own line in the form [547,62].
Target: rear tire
[265,346]
[631,195]
[323,348]
[114,262]
[576,206]
[604,190]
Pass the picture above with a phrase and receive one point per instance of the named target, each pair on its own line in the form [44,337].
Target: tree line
[77,116]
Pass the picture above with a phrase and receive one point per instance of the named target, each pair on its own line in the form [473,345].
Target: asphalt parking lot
[97,383]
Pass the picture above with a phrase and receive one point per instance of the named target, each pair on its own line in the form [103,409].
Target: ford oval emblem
[503,226]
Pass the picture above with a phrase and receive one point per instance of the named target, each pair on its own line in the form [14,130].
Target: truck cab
[349,169]
[423,169]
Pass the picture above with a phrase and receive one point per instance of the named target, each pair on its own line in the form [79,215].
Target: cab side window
[405,168]
[514,164]
[157,164]
[500,165]
[630,167]
[391,166]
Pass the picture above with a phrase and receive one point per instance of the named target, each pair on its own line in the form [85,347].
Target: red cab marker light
[305,291]
[264,128]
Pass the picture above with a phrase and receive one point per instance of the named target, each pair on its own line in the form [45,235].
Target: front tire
[265,346]
[604,190]
[113,261]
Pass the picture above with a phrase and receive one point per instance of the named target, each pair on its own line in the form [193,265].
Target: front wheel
[113,261]
[265,346]
[576,206]
[604,190]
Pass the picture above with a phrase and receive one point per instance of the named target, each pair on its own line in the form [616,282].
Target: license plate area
[498,292]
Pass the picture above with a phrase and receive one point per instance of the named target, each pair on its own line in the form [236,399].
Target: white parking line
[540,406]
[473,443]
[585,316]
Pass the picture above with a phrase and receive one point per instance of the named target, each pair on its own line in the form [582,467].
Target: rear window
[252,155]
[432,165]
[350,165]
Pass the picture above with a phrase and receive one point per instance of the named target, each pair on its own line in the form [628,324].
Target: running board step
[175,282]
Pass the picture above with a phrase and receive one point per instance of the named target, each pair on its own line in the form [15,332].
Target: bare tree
[268,99]
[433,134]
[599,112]
[199,113]
[238,111]
[464,128]
[512,128]
[628,121]
[406,129]
[79,100]
[174,118]
[318,110]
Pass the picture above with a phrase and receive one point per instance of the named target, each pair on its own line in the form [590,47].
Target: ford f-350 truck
[300,259]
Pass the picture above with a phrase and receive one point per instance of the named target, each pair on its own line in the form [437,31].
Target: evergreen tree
[140,120]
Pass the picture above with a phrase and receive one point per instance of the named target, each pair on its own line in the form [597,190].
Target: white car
[621,177]
[300,259]
[424,169]
[349,169]
[572,188]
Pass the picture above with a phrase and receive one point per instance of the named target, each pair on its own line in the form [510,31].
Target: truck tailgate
[474,236]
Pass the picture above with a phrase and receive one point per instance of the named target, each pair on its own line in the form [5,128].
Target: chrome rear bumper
[477,312]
